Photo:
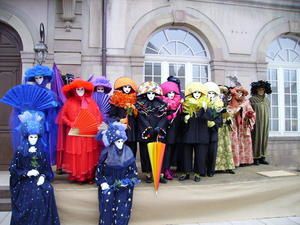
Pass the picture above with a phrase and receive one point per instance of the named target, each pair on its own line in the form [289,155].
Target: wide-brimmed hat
[149,86]
[125,81]
[212,86]
[101,81]
[69,89]
[169,86]
[114,132]
[193,87]
[38,70]
[261,84]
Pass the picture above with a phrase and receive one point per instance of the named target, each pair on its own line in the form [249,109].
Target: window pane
[275,125]
[286,42]
[294,113]
[148,68]
[171,48]
[157,69]
[274,99]
[287,125]
[147,78]
[181,48]
[294,125]
[293,87]
[287,113]
[196,71]
[287,100]
[274,112]
[181,70]
[176,34]
[172,70]
[157,80]
[293,75]
[286,87]
[193,43]
[294,100]
[204,71]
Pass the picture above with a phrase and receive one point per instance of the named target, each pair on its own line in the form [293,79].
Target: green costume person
[260,134]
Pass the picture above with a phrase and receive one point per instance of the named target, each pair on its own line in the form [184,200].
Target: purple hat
[101,81]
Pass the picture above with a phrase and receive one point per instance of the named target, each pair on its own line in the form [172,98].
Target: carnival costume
[174,108]
[244,119]
[102,87]
[116,176]
[78,155]
[216,105]
[224,161]
[260,134]
[32,195]
[196,132]
[152,121]
[34,76]
[123,109]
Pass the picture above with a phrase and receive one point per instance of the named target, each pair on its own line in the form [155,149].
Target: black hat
[260,84]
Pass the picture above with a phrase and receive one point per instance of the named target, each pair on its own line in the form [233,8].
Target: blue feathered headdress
[38,70]
[32,122]
[114,132]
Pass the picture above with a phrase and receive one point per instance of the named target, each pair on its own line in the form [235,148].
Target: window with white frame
[177,52]
[283,57]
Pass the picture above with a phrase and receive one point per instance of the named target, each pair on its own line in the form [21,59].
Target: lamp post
[41,49]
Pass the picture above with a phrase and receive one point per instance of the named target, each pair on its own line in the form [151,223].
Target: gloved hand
[32,173]
[211,124]
[186,118]
[32,149]
[104,186]
[204,105]
[41,180]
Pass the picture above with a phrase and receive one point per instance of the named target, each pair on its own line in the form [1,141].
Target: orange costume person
[243,122]
[77,155]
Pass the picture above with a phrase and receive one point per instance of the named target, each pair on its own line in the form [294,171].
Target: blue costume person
[116,177]
[41,76]
[32,195]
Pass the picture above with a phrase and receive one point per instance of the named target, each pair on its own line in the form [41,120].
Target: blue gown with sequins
[32,204]
[115,203]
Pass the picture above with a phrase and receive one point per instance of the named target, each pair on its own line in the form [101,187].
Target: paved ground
[253,200]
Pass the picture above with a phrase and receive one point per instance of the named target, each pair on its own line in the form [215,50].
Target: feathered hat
[101,81]
[69,89]
[261,84]
[38,70]
[149,86]
[169,86]
[32,122]
[114,132]
[234,90]
[212,86]
[125,81]
[195,86]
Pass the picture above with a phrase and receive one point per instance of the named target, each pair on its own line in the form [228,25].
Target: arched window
[283,59]
[177,52]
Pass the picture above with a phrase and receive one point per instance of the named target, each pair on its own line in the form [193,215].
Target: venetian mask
[100,89]
[119,144]
[126,89]
[32,139]
[39,79]
[150,95]
[211,95]
[80,91]
[171,95]
[196,94]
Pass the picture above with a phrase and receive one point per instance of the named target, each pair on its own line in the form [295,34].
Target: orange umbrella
[156,152]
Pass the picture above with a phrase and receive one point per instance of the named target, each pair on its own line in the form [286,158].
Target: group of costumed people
[92,136]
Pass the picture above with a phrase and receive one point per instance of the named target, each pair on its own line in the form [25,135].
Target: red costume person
[77,155]
[243,122]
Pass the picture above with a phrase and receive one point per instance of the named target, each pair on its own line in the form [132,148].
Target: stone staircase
[5,203]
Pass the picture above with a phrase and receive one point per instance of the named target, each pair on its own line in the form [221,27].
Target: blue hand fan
[102,101]
[29,97]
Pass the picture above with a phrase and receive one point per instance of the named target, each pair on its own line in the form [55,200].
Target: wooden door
[10,75]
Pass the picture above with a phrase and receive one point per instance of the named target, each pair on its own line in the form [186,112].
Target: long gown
[32,204]
[115,203]
[260,133]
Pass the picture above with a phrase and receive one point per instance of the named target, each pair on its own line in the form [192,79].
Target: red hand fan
[86,123]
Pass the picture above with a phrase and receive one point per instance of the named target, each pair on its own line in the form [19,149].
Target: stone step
[5,204]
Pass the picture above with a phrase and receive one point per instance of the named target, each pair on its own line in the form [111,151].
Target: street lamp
[41,49]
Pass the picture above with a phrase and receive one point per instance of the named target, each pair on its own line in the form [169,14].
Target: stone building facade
[151,39]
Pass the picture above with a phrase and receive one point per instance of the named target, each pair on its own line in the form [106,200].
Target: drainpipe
[104,26]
